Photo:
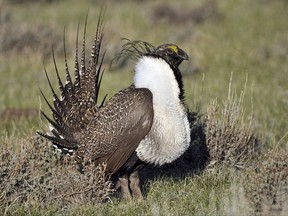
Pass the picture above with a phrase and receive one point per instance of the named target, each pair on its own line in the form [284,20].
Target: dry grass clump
[19,38]
[266,183]
[33,173]
[229,136]
[30,1]
[17,114]
[208,10]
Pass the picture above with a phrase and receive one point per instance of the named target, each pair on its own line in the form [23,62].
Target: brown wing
[116,132]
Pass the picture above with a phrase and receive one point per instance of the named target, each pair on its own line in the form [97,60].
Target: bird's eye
[170,51]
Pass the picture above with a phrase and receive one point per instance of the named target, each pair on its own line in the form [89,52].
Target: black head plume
[134,50]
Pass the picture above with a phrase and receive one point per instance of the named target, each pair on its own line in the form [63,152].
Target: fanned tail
[76,106]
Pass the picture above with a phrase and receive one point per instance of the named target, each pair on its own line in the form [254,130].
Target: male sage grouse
[145,123]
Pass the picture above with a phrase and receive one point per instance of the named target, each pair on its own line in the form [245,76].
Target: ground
[238,65]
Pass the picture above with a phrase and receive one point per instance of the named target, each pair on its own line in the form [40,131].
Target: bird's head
[171,53]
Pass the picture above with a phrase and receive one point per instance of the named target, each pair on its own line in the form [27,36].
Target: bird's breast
[168,138]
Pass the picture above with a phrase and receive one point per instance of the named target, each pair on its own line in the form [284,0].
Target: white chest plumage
[169,136]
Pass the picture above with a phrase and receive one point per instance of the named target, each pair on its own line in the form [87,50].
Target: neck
[178,77]
[164,82]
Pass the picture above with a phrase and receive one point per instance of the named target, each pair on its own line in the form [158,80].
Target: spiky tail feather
[77,104]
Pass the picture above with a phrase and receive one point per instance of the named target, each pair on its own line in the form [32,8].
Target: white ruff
[169,136]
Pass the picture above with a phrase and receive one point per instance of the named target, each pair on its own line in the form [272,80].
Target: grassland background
[248,39]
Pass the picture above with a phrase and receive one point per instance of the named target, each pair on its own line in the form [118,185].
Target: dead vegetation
[15,114]
[32,172]
[229,134]
[208,10]
[20,38]
[266,183]
[231,142]
[30,1]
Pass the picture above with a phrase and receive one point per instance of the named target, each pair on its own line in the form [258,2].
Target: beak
[183,55]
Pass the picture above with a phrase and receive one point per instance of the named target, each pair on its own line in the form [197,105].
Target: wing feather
[118,129]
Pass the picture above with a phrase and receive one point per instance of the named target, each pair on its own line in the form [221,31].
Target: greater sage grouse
[145,123]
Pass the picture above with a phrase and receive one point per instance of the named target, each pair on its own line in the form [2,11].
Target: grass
[245,38]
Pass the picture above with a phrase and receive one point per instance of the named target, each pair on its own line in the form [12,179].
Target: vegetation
[236,87]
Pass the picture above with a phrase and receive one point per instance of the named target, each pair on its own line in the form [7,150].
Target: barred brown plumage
[144,123]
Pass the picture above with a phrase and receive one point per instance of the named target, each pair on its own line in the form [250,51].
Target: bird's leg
[123,183]
[134,185]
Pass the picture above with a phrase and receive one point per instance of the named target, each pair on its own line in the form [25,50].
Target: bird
[145,123]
